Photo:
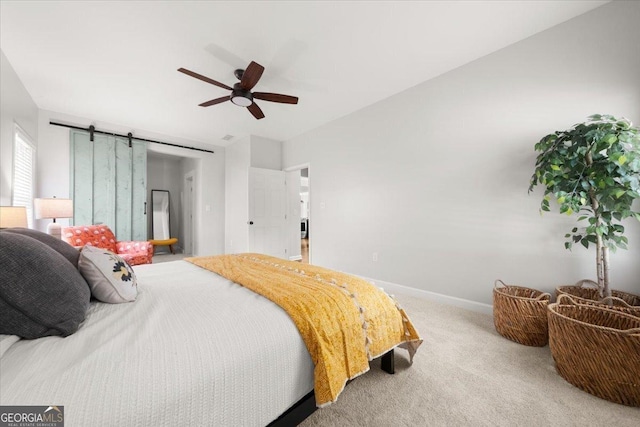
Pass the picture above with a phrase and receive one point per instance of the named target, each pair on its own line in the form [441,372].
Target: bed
[194,348]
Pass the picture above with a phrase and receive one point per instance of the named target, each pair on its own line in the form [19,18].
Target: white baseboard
[391,288]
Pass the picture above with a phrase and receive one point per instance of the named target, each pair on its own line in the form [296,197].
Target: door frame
[188,212]
[299,167]
[293,213]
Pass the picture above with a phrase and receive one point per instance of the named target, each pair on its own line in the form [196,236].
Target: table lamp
[13,216]
[53,208]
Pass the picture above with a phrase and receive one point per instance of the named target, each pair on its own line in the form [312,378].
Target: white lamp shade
[53,208]
[13,216]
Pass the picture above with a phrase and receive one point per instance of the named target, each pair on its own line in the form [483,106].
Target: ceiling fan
[241,94]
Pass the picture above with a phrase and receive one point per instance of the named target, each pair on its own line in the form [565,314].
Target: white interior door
[267,212]
[293,215]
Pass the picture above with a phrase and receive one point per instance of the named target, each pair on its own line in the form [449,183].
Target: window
[24,153]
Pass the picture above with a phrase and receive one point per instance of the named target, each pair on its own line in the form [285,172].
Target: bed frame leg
[388,362]
[297,413]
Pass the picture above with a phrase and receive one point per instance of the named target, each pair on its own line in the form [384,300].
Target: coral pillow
[110,277]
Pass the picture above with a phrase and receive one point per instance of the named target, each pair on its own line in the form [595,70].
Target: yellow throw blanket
[344,321]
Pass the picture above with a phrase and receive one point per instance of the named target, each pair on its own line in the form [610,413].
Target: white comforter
[193,349]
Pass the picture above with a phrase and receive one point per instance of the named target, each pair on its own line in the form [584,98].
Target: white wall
[266,153]
[192,168]
[54,169]
[434,179]
[211,194]
[209,216]
[16,106]
[53,163]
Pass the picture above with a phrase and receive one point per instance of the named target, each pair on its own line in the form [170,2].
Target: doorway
[305,234]
[299,213]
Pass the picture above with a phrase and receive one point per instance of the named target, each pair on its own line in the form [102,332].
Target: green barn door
[139,191]
[108,183]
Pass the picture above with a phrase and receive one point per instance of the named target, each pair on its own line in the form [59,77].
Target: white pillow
[110,277]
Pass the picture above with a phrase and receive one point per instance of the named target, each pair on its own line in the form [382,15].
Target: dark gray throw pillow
[41,293]
[60,246]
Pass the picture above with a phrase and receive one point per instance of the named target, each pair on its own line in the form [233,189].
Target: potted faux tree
[593,171]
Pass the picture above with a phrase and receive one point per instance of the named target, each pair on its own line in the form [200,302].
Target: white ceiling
[116,62]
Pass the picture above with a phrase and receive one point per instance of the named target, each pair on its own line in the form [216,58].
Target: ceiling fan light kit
[241,97]
[241,94]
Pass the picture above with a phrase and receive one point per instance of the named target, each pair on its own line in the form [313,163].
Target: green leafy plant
[593,171]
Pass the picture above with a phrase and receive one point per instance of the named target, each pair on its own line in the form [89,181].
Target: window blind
[23,172]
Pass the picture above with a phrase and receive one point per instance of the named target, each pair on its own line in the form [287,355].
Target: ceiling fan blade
[203,78]
[251,75]
[256,111]
[215,101]
[276,97]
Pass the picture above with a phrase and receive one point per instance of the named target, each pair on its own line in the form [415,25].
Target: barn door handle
[145,208]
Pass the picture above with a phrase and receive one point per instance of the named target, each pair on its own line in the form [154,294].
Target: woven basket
[520,314]
[597,349]
[588,292]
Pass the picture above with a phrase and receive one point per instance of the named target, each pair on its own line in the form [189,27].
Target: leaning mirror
[160,217]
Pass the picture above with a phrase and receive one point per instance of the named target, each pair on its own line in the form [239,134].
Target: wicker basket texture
[520,314]
[588,292]
[597,349]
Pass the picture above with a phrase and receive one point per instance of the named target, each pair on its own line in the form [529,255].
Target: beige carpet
[465,374]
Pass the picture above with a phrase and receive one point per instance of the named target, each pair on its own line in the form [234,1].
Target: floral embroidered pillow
[110,278]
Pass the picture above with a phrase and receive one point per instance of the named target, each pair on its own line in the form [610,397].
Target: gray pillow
[41,293]
[60,246]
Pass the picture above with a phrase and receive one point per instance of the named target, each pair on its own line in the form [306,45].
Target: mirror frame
[153,192]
